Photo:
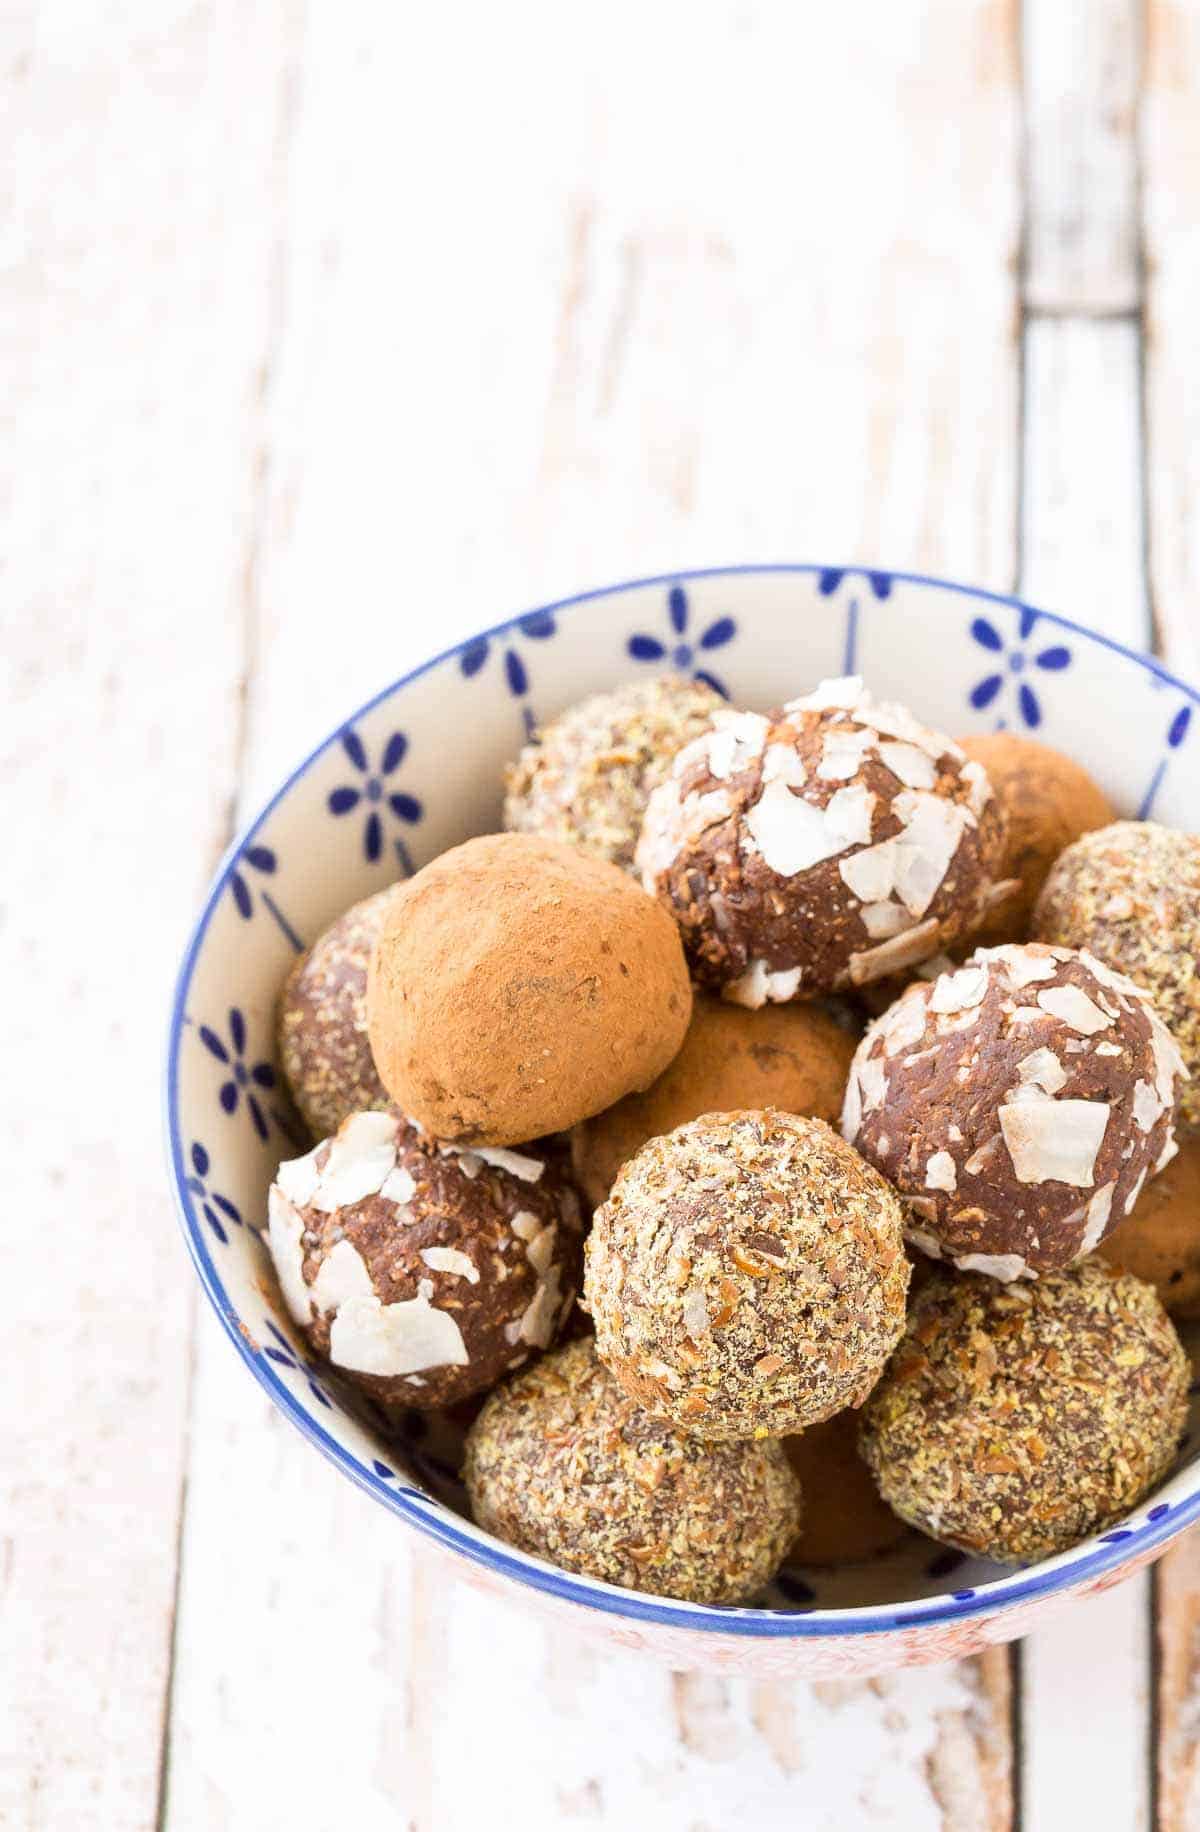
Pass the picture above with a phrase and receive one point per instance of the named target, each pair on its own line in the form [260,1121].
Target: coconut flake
[672,822]
[1072,1006]
[1146,1105]
[540,1250]
[368,1337]
[871,873]
[285,1230]
[979,789]
[1136,1191]
[891,956]
[398,1186]
[449,1259]
[844,691]
[1043,1068]
[1097,1215]
[738,739]
[538,1318]
[903,1024]
[1023,964]
[883,920]
[525,1225]
[1168,1063]
[343,1275]
[843,750]
[1054,1141]
[941,1173]
[1170,1150]
[982,1155]
[783,763]
[1108,1049]
[1002,1266]
[913,766]
[758,985]
[959,991]
[298,1178]
[362,1155]
[925,846]
[872,1079]
[851,1108]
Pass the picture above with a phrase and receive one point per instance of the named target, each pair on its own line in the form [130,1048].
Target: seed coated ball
[845,1520]
[746,1277]
[1048,800]
[1160,1242]
[1014,1420]
[1131,894]
[563,1464]
[420,1271]
[791,1056]
[520,985]
[827,845]
[588,775]
[1018,1104]
[322,1021]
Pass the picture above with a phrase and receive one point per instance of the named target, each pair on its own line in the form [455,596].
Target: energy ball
[519,986]
[1131,893]
[1048,800]
[746,1277]
[790,1056]
[322,1021]
[845,1521]
[420,1271]
[826,845]
[1018,1103]
[1160,1242]
[562,1463]
[588,775]
[1014,1420]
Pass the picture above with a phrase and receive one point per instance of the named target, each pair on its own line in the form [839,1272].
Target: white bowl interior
[419,770]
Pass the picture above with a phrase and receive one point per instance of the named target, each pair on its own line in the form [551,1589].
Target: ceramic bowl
[417,770]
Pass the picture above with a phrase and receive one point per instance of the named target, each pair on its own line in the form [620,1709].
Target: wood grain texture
[128,356]
[642,331]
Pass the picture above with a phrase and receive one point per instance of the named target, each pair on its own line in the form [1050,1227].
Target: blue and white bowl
[417,770]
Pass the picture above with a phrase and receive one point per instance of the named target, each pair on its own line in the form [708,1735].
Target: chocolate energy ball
[562,1463]
[1048,801]
[1018,1104]
[747,1276]
[322,1021]
[588,775]
[1014,1420]
[791,1056]
[824,846]
[422,1272]
[1131,893]
[520,985]
[1160,1242]
[845,1520]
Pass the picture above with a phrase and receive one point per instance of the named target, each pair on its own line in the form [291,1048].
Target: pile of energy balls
[781,1103]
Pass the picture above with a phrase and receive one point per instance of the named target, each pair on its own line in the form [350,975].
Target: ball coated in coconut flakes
[790,1056]
[321,1022]
[1131,894]
[747,1275]
[564,1464]
[587,776]
[421,1272]
[1015,1420]
[1160,1241]
[823,846]
[1018,1103]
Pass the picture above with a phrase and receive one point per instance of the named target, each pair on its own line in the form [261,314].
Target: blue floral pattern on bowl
[680,649]
[375,796]
[1016,659]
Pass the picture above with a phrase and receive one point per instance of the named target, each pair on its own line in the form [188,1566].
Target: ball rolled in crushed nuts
[1015,1420]
[1018,1103]
[520,985]
[322,1021]
[421,1272]
[1160,1242]
[562,1463]
[747,1275]
[587,776]
[1048,800]
[791,1056]
[827,845]
[1130,893]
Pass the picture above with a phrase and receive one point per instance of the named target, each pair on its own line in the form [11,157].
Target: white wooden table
[329,333]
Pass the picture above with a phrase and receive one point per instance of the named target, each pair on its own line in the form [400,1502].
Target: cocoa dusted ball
[1018,1104]
[1160,1242]
[747,1275]
[1048,800]
[1014,1420]
[322,1021]
[845,1520]
[587,776]
[562,1463]
[1131,894]
[520,985]
[791,1056]
[421,1272]
[827,845]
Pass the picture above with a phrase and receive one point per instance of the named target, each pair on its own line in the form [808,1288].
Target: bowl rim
[1059,1575]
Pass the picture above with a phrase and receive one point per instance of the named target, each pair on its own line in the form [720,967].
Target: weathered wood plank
[136,150]
[643,331]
